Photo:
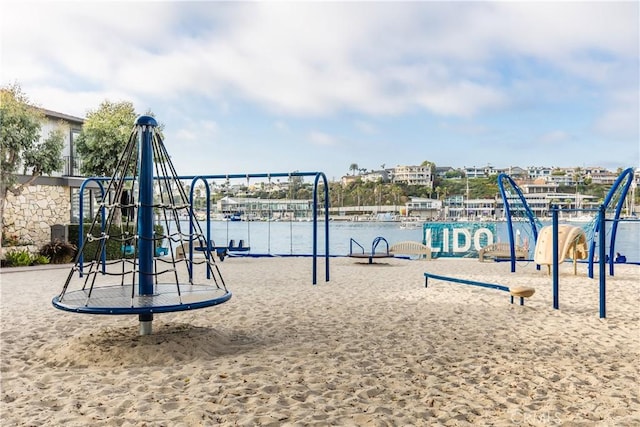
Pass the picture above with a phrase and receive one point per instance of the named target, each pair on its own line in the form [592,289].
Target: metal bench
[411,248]
[501,250]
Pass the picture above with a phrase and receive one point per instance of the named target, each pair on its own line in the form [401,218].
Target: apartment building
[413,175]
[52,199]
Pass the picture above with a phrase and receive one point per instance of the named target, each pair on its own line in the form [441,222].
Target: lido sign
[457,239]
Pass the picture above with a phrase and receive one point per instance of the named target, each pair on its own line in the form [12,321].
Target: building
[427,209]
[48,200]
[254,209]
[413,175]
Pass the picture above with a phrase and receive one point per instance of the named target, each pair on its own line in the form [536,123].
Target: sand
[372,346]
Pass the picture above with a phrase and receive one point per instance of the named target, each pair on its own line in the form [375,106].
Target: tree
[430,165]
[21,145]
[104,135]
[353,167]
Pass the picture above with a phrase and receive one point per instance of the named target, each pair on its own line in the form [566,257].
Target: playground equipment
[521,292]
[374,254]
[140,280]
[572,243]
[615,198]
[516,206]
[558,242]
[242,248]
[555,270]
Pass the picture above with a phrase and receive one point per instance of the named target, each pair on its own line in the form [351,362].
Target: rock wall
[29,216]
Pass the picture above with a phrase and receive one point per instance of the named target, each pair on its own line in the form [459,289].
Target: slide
[572,243]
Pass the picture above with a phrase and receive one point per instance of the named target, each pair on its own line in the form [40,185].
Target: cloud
[554,137]
[620,118]
[321,138]
[313,59]
[466,128]
[195,130]
[619,123]
[495,70]
[365,127]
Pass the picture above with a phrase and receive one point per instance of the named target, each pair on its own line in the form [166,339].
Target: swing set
[242,249]
[231,249]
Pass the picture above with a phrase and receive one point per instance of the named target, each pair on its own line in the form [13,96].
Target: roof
[67,117]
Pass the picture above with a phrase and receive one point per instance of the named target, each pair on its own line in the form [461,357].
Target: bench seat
[411,248]
[501,250]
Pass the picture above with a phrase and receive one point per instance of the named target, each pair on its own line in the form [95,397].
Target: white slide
[572,243]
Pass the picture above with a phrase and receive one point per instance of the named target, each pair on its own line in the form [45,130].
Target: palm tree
[397,194]
[353,168]
[358,192]
[445,192]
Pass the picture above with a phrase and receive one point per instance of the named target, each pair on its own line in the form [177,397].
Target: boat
[236,216]
[411,222]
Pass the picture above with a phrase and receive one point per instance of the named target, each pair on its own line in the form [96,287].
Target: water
[296,237]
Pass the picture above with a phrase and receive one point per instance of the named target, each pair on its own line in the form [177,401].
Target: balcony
[72,166]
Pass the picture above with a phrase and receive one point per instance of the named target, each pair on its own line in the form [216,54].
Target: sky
[273,87]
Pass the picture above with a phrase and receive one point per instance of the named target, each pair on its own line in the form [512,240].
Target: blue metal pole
[145,216]
[315,227]
[556,297]
[81,224]
[507,210]
[314,257]
[207,248]
[326,227]
[601,262]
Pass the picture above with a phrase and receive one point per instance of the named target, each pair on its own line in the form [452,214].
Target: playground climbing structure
[127,264]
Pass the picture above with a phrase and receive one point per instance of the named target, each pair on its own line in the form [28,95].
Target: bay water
[296,238]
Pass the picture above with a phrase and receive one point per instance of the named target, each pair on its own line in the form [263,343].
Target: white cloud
[554,137]
[462,99]
[621,116]
[321,138]
[311,58]
[184,135]
[619,123]
[202,131]
[335,61]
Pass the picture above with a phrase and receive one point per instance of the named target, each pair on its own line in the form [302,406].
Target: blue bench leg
[521,300]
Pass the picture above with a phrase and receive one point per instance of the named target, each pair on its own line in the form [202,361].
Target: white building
[413,175]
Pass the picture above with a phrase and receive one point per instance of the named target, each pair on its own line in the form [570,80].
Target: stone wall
[30,215]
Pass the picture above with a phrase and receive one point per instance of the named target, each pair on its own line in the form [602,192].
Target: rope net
[113,260]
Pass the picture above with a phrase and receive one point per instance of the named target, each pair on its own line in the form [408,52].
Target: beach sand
[372,346]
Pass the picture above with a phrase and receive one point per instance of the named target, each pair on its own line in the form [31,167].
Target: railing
[72,165]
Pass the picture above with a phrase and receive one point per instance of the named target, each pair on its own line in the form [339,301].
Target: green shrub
[39,259]
[18,258]
[59,252]
[114,246]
